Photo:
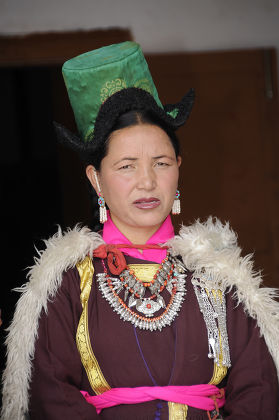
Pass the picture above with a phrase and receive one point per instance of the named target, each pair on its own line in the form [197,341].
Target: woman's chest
[130,356]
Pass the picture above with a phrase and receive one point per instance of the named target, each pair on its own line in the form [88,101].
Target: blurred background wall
[227,50]
[158,25]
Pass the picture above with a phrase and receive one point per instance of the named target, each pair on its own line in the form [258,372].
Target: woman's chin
[140,218]
[149,217]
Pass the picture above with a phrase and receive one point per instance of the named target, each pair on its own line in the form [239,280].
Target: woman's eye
[162,164]
[125,167]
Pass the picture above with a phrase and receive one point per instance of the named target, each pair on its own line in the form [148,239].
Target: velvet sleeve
[57,374]
[252,386]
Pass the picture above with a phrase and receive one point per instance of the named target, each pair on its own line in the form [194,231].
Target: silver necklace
[212,305]
[172,274]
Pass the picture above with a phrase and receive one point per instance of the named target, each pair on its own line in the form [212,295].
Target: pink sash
[206,397]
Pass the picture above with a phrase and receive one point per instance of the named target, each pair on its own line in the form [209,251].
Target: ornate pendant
[175,284]
[148,307]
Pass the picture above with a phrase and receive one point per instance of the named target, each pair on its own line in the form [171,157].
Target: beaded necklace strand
[160,403]
[110,288]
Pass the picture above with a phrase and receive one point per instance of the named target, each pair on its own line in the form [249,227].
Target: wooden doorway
[231,144]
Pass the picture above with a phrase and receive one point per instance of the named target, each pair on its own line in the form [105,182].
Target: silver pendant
[132,301]
[169,288]
[139,289]
[160,301]
[117,284]
[154,288]
[126,294]
[148,307]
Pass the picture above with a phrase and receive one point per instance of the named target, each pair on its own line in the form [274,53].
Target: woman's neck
[136,235]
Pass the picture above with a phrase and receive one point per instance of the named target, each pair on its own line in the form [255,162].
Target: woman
[117,325]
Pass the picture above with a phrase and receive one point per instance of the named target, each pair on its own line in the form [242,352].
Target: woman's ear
[179,161]
[92,175]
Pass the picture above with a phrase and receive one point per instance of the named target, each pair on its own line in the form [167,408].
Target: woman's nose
[146,179]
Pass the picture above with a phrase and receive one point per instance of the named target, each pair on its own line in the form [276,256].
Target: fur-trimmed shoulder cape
[208,249]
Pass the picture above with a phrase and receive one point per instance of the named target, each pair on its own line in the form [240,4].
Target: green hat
[106,82]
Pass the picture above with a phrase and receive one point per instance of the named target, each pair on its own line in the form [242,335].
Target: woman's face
[138,177]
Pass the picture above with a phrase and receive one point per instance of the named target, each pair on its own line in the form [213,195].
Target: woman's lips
[147,203]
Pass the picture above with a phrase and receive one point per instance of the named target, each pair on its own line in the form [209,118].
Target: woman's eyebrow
[163,156]
[134,159]
[125,158]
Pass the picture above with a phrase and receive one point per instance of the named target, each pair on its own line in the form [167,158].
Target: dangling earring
[102,211]
[101,201]
[176,208]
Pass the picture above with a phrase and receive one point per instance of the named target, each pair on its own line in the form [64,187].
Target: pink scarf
[205,397]
[112,235]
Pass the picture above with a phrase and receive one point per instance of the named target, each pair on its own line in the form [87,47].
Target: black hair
[95,157]
[128,119]
[169,117]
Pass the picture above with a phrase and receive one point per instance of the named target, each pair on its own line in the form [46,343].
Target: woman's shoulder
[57,261]
[211,252]
[63,250]
[205,240]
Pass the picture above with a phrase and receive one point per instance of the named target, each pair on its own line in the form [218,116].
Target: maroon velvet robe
[178,355]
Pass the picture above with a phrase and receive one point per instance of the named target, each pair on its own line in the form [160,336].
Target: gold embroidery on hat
[89,135]
[110,87]
[144,84]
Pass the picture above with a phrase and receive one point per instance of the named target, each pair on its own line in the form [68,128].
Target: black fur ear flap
[183,108]
[120,102]
[188,100]
[68,138]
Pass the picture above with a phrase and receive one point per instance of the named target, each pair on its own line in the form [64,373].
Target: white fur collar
[208,248]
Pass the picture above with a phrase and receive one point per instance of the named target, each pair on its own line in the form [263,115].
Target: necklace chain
[170,275]
[138,288]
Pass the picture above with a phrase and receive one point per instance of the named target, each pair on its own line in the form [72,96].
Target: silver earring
[102,210]
[176,208]
[103,217]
